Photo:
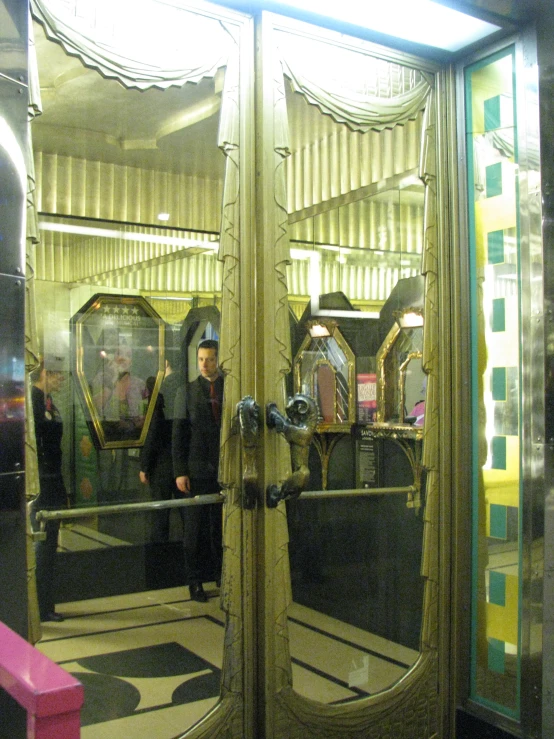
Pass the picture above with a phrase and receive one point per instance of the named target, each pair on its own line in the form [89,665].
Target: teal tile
[498,383]
[498,315]
[498,521]
[497,588]
[493,180]
[492,113]
[497,656]
[495,247]
[499,453]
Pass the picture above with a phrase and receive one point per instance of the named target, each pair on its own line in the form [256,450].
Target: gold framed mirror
[117,358]
[400,375]
[325,369]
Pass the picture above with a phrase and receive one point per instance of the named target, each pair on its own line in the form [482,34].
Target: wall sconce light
[411,318]
[320,329]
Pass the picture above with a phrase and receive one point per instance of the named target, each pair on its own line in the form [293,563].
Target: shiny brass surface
[298,429]
[249,417]
[292,714]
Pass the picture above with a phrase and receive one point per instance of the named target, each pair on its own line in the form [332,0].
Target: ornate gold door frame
[286,712]
[257,692]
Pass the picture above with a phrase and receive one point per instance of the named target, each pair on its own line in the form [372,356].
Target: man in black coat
[53,495]
[156,462]
[196,441]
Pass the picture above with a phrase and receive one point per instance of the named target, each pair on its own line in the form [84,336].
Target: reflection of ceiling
[87,116]
[174,130]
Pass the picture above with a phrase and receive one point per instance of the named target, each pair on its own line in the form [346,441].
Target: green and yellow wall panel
[495,289]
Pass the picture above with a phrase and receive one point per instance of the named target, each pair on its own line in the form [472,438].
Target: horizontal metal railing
[357,492]
[112,510]
[42,516]
[158,505]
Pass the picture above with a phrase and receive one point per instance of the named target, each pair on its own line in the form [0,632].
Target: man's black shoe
[53,616]
[197,592]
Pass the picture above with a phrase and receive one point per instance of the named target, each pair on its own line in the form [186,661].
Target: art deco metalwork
[298,429]
[249,417]
[416,696]
[400,353]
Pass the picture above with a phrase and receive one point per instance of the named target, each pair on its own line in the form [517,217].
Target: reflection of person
[156,463]
[47,379]
[196,432]
[418,411]
[119,395]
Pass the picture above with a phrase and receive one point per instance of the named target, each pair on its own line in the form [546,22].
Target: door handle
[298,428]
[249,417]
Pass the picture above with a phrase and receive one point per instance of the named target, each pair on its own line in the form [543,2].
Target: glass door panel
[360,222]
[131,153]
[332,595]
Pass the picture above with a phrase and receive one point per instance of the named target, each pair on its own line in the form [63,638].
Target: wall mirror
[400,378]
[325,369]
[130,175]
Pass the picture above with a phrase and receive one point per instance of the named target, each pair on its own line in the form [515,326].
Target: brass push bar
[111,510]
[158,505]
[356,492]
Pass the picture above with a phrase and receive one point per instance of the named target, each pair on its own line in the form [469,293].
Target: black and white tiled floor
[150,662]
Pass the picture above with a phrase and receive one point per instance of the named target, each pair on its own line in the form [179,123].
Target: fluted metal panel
[343,161]
[127,264]
[78,187]
[366,224]
[327,227]
[356,160]
[359,283]
[67,185]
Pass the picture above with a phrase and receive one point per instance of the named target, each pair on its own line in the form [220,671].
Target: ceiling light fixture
[421,21]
